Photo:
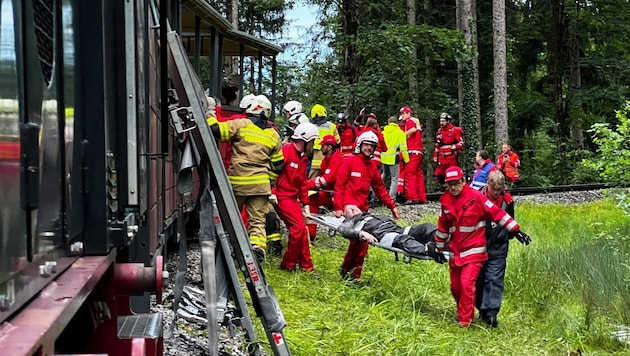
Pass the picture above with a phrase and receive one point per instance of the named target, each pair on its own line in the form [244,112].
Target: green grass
[561,294]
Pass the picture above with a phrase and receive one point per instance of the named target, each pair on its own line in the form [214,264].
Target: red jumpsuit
[449,143]
[347,134]
[356,175]
[414,177]
[325,185]
[291,191]
[462,222]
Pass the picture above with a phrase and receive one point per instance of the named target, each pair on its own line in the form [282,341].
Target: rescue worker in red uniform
[449,144]
[348,133]
[256,161]
[462,223]
[324,184]
[291,196]
[371,125]
[414,177]
[509,163]
[356,176]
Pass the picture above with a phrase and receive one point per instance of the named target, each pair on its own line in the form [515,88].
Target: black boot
[275,248]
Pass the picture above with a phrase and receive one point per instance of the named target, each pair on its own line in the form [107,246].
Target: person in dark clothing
[383,231]
[490,283]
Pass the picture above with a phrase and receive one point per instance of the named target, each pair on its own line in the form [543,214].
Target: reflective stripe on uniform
[472,228]
[472,251]
[250,180]
[258,241]
[406,230]
[511,225]
[442,235]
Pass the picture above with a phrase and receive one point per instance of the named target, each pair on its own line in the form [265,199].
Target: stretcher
[386,242]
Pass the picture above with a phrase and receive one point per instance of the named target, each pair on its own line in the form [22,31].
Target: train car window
[43,13]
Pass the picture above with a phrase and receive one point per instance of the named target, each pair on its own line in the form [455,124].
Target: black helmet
[341,117]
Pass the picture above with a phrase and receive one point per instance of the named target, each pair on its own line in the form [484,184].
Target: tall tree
[500,72]
[413,82]
[469,74]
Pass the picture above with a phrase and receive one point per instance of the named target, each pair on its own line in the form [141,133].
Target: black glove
[432,251]
[522,237]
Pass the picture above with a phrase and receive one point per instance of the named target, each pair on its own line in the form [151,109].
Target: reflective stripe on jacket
[256,156]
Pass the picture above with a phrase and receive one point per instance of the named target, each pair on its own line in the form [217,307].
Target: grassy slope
[407,309]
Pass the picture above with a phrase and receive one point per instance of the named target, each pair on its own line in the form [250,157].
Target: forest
[538,74]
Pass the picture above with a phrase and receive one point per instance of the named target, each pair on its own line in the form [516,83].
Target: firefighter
[462,223]
[291,108]
[509,163]
[356,176]
[292,198]
[324,184]
[414,176]
[294,121]
[256,161]
[325,127]
[449,144]
[348,133]
[396,143]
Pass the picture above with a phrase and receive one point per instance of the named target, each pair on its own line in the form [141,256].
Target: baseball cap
[453,174]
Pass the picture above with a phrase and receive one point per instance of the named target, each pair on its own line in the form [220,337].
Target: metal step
[145,326]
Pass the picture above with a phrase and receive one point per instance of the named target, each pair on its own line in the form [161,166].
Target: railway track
[541,190]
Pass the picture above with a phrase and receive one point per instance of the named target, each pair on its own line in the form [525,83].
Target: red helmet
[329,140]
[453,173]
[405,109]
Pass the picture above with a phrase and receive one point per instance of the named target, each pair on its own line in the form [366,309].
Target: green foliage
[562,292]
[613,154]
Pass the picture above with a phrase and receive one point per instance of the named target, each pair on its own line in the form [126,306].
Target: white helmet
[246,101]
[260,106]
[299,118]
[306,132]
[366,137]
[293,107]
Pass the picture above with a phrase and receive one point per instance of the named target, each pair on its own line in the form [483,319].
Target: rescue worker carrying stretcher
[356,176]
[291,198]
[449,144]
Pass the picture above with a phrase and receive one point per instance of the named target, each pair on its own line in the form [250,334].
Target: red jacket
[414,141]
[449,141]
[347,134]
[462,223]
[509,163]
[356,175]
[290,182]
[328,173]
[381,147]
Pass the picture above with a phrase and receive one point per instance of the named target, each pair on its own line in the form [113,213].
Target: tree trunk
[413,82]
[431,122]
[349,68]
[469,74]
[575,80]
[500,73]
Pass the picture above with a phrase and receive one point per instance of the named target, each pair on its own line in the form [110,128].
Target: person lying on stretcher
[380,230]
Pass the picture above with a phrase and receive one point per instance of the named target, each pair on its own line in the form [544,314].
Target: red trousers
[353,260]
[463,280]
[400,189]
[443,163]
[298,250]
[414,178]
[316,201]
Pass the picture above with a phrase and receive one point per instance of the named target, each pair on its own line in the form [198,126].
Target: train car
[89,163]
